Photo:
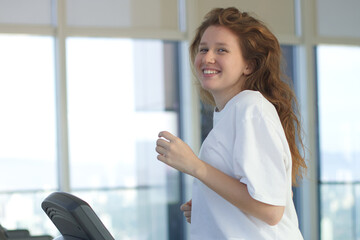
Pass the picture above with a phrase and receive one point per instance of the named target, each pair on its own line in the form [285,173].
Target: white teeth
[210,71]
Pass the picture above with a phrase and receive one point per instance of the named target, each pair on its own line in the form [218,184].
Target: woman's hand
[177,154]
[186,208]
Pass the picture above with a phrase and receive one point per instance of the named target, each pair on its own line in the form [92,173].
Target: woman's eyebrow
[217,44]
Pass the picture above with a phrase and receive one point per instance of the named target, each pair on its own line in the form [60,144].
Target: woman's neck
[222,99]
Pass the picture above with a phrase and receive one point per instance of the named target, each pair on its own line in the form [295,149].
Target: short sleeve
[259,159]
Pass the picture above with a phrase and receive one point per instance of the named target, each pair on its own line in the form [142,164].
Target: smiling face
[219,63]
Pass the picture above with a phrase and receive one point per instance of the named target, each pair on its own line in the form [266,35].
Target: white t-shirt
[248,143]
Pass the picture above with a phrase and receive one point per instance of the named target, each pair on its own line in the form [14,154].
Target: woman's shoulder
[254,106]
[253,102]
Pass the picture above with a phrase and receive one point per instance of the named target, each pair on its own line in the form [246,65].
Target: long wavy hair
[261,49]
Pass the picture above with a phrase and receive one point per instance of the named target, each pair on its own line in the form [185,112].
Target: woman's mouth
[210,71]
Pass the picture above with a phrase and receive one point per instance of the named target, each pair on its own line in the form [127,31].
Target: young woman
[249,161]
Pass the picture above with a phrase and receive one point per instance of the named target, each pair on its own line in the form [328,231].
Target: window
[27,129]
[120,95]
[339,135]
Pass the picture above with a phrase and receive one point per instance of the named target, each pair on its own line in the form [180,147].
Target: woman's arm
[177,154]
[237,194]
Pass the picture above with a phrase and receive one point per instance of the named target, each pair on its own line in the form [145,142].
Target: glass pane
[25,12]
[160,14]
[337,212]
[288,61]
[339,112]
[27,108]
[23,211]
[121,93]
[112,129]
[131,214]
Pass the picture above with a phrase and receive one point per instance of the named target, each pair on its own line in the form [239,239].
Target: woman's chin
[208,87]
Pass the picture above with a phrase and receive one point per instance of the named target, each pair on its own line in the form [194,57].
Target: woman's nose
[209,57]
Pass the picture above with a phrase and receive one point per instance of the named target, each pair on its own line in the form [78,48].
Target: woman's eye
[203,50]
[222,50]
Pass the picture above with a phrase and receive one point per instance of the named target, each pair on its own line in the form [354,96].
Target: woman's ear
[249,68]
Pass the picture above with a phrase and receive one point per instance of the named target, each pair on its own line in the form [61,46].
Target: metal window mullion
[307,92]
[61,97]
[144,33]
[31,29]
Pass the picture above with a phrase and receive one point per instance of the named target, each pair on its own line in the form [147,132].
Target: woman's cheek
[197,64]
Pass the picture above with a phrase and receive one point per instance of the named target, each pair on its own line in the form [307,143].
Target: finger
[185,207]
[163,143]
[161,158]
[188,220]
[187,214]
[167,135]
[160,150]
